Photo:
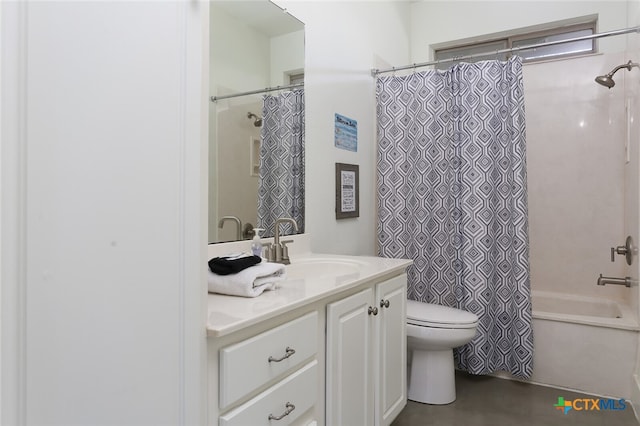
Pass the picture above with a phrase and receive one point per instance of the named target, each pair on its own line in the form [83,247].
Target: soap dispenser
[256,244]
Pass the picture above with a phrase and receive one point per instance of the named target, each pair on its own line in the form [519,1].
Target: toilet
[432,333]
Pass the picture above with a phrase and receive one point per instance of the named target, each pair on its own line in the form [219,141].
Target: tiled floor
[489,401]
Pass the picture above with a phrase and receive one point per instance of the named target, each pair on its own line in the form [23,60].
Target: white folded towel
[250,282]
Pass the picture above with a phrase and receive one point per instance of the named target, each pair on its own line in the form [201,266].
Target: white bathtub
[584,343]
[583,310]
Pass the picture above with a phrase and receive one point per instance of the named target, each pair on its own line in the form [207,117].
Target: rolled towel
[250,282]
[232,264]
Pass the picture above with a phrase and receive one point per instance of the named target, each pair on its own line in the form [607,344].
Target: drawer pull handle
[373,310]
[384,303]
[288,352]
[290,408]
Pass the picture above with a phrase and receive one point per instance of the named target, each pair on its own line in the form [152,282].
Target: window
[296,78]
[526,39]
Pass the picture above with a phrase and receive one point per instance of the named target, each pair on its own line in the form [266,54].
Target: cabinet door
[391,377]
[350,378]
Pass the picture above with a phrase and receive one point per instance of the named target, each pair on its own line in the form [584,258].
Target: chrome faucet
[280,252]
[238,225]
[626,281]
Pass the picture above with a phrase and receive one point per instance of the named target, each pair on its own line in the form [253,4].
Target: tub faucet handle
[627,250]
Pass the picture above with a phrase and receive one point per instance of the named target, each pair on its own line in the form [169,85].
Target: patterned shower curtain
[281,180]
[452,196]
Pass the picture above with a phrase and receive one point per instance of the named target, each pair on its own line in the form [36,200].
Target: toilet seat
[438,316]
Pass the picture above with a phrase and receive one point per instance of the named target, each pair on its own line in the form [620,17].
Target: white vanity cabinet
[366,355]
[282,359]
[332,362]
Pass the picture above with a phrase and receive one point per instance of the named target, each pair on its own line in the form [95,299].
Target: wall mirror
[254,167]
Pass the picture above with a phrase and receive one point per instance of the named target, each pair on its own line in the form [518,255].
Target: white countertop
[310,277]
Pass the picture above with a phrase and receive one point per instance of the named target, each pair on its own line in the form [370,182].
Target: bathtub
[584,344]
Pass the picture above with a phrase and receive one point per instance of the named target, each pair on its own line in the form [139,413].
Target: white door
[391,386]
[350,382]
[103,212]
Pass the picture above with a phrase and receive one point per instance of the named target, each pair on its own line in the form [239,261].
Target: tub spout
[626,281]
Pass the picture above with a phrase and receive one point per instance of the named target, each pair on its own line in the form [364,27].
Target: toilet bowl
[432,333]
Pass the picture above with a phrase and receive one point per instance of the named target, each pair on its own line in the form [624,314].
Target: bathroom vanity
[327,347]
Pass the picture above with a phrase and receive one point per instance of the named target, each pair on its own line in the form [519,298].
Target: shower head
[257,121]
[607,79]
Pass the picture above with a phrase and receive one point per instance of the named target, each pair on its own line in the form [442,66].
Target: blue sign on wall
[346,133]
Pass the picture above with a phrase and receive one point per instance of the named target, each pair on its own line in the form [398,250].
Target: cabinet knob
[287,353]
[373,310]
[289,408]
[384,303]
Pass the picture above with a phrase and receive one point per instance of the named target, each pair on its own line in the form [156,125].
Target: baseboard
[507,376]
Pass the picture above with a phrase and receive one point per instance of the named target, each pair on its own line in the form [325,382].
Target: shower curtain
[452,196]
[281,178]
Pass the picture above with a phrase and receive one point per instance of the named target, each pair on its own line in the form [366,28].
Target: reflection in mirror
[256,141]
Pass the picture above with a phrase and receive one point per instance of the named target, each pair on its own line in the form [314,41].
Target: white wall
[104,159]
[240,55]
[633,20]
[287,56]
[237,191]
[575,165]
[631,86]
[343,41]
[632,171]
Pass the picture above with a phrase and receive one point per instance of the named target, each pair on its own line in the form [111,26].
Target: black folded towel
[232,265]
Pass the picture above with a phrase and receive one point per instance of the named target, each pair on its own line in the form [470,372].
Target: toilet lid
[430,315]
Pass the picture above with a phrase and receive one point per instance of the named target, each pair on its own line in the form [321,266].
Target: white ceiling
[262,15]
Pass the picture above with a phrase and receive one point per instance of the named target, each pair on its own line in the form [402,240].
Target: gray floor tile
[489,401]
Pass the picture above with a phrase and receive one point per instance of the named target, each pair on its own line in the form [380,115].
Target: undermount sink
[314,267]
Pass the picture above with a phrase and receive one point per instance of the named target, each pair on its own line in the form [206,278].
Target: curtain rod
[375,72]
[255,92]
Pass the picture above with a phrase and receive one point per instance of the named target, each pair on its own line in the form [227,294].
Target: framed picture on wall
[347,191]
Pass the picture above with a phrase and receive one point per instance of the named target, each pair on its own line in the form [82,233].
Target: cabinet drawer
[298,389]
[245,366]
